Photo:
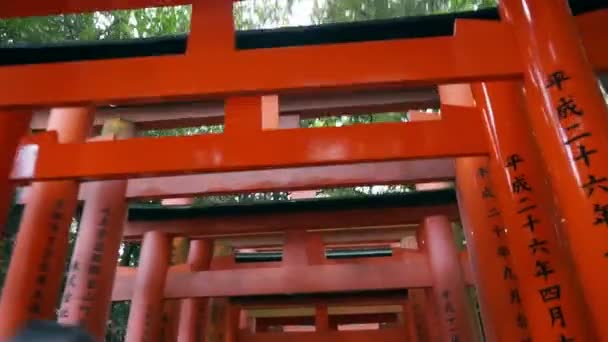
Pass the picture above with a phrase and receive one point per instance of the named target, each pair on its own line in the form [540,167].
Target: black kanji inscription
[94,269]
[568,107]
[526,208]
[563,338]
[577,137]
[507,273]
[531,222]
[520,184]
[515,298]
[513,160]
[584,155]
[503,251]
[556,79]
[550,293]
[557,316]
[493,212]
[595,182]
[482,172]
[601,214]
[487,192]
[522,321]
[538,245]
[543,269]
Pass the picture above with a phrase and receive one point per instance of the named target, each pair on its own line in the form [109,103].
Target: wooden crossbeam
[408,273]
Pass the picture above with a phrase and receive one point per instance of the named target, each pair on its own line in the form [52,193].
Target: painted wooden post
[87,295]
[568,115]
[449,288]
[498,290]
[321,318]
[37,265]
[146,312]
[550,296]
[192,310]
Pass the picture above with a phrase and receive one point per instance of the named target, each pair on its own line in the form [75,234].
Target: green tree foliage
[331,11]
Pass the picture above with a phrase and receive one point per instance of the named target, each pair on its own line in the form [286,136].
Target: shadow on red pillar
[87,295]
[192,310]
[498,291]
[449,288]
[146,312]
[568,115]
[37,265]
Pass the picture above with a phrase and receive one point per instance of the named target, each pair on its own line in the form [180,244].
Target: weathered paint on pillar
[87,296]
[569,118]
[498,290]
[549,293]
[145,316]
[449,288]
[192,310]
[13,125]
[37,265]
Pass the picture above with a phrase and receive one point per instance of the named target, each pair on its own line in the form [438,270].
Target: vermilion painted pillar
[217,306]
[146,312]
[449,288]
[497,287]
[37,265]
[171,311]
[568,115]
[87,295]
[179,255]
[408,321]
[550,296]
[425,314]
[321,318]
[13,125]
[192,310]
[232,322]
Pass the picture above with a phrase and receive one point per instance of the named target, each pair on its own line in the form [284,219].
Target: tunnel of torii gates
[521,130]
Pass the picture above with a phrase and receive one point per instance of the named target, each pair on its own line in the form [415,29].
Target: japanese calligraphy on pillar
[87,275]
[496,225]
[450,314]
[582,150]
[43,268]
[527,210]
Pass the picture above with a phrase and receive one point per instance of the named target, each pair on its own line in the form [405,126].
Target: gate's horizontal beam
[318,177]
[479,51]
[243,220]
[458,134]
[373,298]
[410,273]
[178,115]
